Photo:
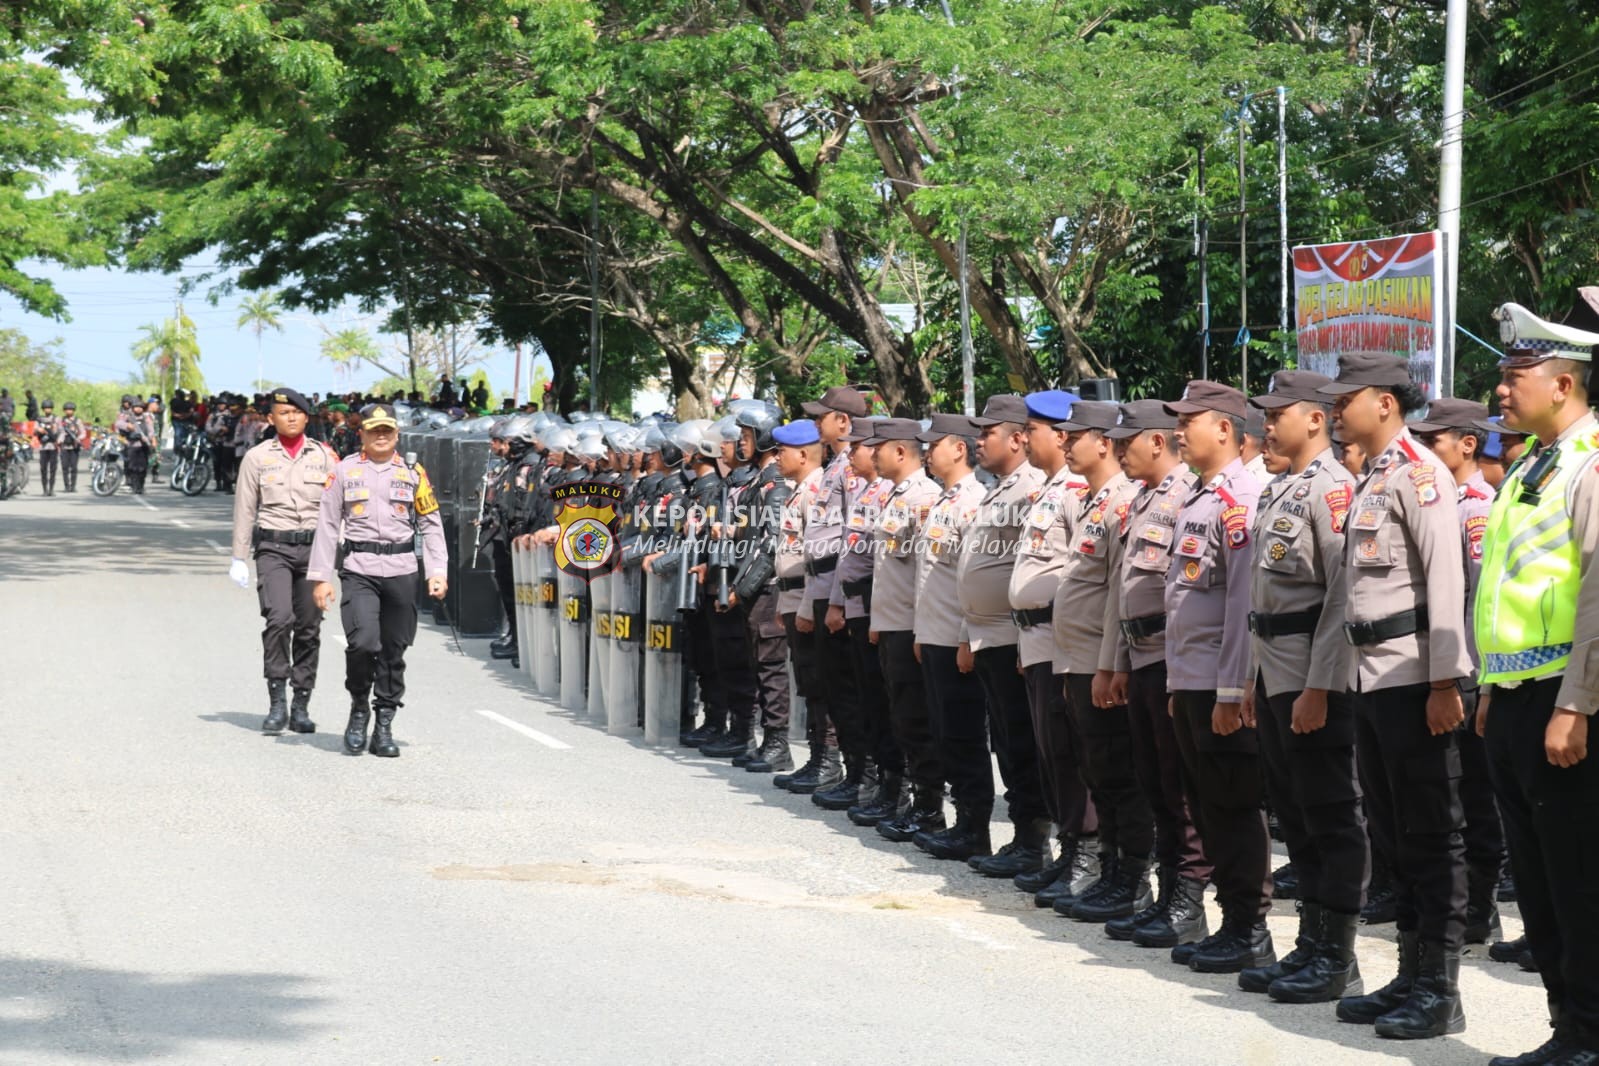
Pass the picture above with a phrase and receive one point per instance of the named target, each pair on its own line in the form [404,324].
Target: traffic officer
[1405,616]
[1085,638]
[799,458]
[755,592]
[897,455]
[954,696]
[1537,621]
[379,515]
[988,555]
[71,438]
[824,543]
[1208,672]
[1305,721]
[1041,555]
[47,428]
[1451,431]
[275,512]
[1146,438]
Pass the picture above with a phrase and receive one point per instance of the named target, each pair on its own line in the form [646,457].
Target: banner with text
[1382,295]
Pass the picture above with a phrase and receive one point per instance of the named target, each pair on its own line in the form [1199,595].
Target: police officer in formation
[47,427]
[70,440]
[275,510]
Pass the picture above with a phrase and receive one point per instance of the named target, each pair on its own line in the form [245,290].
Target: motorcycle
[191,469]
[14,475]
[105,465]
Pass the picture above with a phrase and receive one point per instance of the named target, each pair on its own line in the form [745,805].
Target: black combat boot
[713,728]
[967,837]
[1482,913]
[752,749]
[278,712]
[1433,1006]
[1332,973]
[1507,950]
[355,731]
[1304,949]
[1382,905]
[925,815]
[1285,882]
[1031,881]
[1081,874]
[892,799]
[1128,895]
[1165,885]
[1551,1050]
[505,647]
[1242,945]
[1365,1010]
[1106,882]
[809,770]
[826,771]
[383,744]
[300,713]
[1024,854]
[773,756]
[1182,926]
[845,794]
[1506,892]
[735,742]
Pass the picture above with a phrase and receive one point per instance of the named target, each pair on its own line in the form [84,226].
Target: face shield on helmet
[699,439]
[559,440]
[762,417]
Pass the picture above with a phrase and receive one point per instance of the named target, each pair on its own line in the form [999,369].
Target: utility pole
[1282,211]
[1443,369]
[1202,240]
[968,370]
[594,302]
[1243,254]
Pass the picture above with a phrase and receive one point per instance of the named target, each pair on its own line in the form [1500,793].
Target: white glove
[239,573]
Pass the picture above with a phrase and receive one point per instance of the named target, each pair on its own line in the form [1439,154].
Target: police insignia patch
[1189,546]
[1277,550]
[1338,502]
[1191,570]
[1283,524]
[1422,476]
[1367,548]
[1235,520]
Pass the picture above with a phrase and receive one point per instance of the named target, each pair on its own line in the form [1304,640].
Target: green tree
[169,355]
[259,313]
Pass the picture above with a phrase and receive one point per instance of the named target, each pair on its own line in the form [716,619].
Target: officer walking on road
[71,438]
[375,510]
[274,518]
[48,429]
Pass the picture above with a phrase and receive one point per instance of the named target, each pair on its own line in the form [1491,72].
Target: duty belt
[859,587]
[1395,625]
[1143,628]
[790,584]
[821,566]
[372,547]
[284,536]
[1292,623]
[1033,616]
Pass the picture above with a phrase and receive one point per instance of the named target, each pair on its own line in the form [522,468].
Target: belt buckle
[1349,633]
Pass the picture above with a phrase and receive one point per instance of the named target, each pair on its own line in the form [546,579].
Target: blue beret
[1051,405]
[797,434]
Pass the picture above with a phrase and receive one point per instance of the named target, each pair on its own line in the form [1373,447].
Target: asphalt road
[177,888]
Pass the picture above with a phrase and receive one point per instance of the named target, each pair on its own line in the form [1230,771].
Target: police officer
[1145,435]
[990,636]
[897,456]
[1041,558]
[373,512]
[1451,432]
[1208,672]
[71,440]
[1405,616]
[48,429]
[1500,447]
[274,518]
[954,695]
[500,498]
[1086,624]
[1305,720]
[1537,621]
[138,429]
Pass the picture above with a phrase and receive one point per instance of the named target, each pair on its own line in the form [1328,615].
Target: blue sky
[108,307]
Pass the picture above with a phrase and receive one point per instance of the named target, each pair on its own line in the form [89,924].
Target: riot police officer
[71,439]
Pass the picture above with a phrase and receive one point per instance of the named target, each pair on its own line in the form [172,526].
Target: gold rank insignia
[1277,550]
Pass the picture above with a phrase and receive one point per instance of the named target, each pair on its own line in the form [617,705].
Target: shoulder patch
[1476,527]
[1121,516]
[328,484]
[1409,450]
[1235,523]
[1425,480]
[1338,503]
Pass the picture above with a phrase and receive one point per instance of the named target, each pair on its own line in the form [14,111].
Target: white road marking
[180,523]
[142,502]
[543,738]
[338,638]
[219,549]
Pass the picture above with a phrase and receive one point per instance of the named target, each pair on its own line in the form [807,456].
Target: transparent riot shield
[544,653]
[574,634]
[599,645]
[663,661]
[627,652]
[522,604]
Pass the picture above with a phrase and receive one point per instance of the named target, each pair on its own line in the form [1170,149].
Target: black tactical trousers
[908,708]
[379,615]
[802,648]
[700,656]
[1157,763]
[960,728]
[291,639]
[48,461]
[504,584]
[768,646]
[730,651]
[1221,778]
[881,746]
[69,469]
[1313,787]
[1414,783]
[1485,833]
[1554,848]
[835,676]
[1010,725]
[1059,752]
[1105,734]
